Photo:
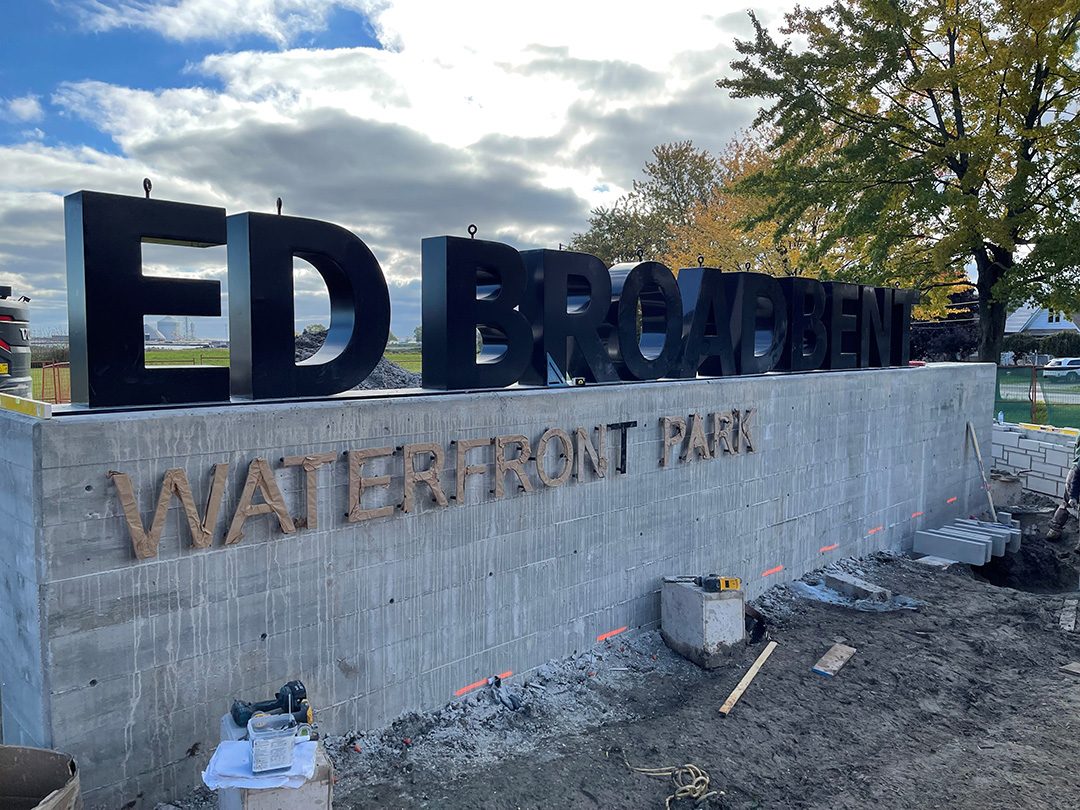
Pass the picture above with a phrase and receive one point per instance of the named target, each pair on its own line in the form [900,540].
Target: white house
[1038,321]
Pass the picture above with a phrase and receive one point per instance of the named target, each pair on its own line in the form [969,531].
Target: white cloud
[279,21]
[519,119]
[26,109]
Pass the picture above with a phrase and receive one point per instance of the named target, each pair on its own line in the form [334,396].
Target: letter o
[541,454]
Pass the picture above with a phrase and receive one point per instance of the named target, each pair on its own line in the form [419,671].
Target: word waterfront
[420,469]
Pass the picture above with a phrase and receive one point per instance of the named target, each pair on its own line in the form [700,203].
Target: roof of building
[1019,318]
[1038,321]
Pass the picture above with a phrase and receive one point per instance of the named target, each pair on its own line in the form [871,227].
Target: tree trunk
[992,313]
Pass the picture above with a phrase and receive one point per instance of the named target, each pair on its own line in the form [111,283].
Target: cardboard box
[316,794]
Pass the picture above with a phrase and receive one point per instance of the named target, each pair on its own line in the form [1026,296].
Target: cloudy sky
[397,119]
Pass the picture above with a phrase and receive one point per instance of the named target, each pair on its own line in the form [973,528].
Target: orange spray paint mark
[951,500]
[823,549]
[470,687]
[478,684]
[772,571]
[916,514]
[875,530]
[609,634]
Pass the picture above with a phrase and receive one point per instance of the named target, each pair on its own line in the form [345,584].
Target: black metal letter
[567,301]
[261,308]
[875,327]
[762,298]
[472,285]
[655,354]
[902,302]
[805,350]
[709,332]
[108,295]
[842,323]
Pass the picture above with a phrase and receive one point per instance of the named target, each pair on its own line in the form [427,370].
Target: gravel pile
[386,374]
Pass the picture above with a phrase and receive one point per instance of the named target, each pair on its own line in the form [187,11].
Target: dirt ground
[953,700]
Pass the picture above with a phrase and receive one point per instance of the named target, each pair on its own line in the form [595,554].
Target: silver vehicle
[1063,369]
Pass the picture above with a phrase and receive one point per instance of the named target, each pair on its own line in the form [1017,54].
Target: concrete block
[857,588]
[1058,457]
[699,625]
[997,537]
[1007,438]
[994,544]
[1037,483]
[1000,528]
[951,548]
[1053,471]
[1017,460]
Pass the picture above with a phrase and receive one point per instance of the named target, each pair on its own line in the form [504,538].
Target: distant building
[151,334]
[1038,321]
[169,328]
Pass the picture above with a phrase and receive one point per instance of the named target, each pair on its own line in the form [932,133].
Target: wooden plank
[982,469]
[835,658]
[1068,615]
[737,692]
[1072,669]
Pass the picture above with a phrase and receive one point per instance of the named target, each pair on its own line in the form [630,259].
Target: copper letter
[311,464]
[358,483]
[567,455]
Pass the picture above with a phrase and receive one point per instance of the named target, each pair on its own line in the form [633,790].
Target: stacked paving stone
[970,541]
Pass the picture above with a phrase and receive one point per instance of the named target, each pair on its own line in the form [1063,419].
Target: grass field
[410,361]
[48,381]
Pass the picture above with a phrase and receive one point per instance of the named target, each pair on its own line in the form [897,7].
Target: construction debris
[737,692]
[856,588]
[1068,615]
[833,660]
[691,782]
[1072,669]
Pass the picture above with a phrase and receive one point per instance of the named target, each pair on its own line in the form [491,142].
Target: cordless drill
[292,697]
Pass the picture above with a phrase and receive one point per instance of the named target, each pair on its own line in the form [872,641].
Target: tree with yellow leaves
[937,136]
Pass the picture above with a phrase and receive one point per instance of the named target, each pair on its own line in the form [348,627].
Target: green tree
[938,135]
[678,179]
[1062,344]
[417,334]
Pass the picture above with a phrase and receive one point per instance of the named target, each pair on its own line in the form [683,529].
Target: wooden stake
[737,692]
[982,472]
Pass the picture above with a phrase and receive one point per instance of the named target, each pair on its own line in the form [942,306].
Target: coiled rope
[690,781]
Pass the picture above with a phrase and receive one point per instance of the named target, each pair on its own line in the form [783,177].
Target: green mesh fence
[1042,396]
[1013,395]
[1059,394]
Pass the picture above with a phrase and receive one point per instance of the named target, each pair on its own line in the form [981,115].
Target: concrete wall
[23,694]
[142,657]
[1041,458]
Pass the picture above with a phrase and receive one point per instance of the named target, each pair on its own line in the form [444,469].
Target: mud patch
[1041,565]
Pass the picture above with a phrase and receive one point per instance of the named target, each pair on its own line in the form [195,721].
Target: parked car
[1063,369]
